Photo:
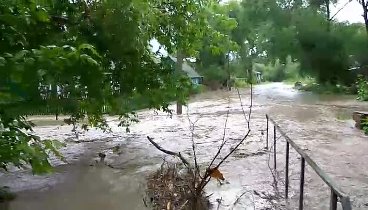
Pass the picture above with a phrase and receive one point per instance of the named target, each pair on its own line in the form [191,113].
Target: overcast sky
[352,12]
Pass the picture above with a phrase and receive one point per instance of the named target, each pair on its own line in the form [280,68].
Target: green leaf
[53,146]
[2,61]
[88,59]
[42,15]
[88,48]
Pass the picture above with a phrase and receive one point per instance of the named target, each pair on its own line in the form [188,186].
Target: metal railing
[336,193]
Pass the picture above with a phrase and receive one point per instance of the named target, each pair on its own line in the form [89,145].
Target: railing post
[301,196]
[287,171]
[333,200]
[274,147]
[267,133]
[345,203]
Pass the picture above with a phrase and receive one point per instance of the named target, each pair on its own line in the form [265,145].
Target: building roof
[187,68]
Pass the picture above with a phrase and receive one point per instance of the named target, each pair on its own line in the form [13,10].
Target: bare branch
[223,141]
[241,104]
[207,176]
[248,132]
[177,154]
[233,150]
[192,127]
[238,199]
[184,204]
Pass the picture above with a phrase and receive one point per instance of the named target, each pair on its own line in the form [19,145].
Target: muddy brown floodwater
[321,124]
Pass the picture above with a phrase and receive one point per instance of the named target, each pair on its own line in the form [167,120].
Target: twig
[177,154]
[207,175]
[241,104]
[184,204]
[196,166]
[219,201]
[223,141]
[238,199]
[248,123]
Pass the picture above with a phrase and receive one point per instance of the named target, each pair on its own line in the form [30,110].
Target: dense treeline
[286,39]
[87,58]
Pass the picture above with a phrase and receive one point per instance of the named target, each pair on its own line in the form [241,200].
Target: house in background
[189,71]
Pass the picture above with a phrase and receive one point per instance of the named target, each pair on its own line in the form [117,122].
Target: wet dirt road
[319,124]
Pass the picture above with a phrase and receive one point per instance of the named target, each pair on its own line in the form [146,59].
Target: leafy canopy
[86,59]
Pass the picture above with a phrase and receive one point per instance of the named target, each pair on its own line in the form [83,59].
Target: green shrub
[197,89]
[214,73]
[274,72]
[365,126]
[292,70]
[277,71]
[241,83]
[326,88]
[362,86]
[238,70]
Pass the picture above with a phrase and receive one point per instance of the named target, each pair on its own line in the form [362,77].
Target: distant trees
[270,31]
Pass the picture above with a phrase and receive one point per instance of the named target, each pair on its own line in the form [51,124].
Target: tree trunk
[179,69]
[228,73]
[365,14]
[328,14]
[252,56]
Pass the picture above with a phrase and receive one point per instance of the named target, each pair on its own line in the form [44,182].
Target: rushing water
[319,123]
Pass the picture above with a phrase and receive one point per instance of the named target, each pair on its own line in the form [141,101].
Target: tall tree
[364,4]
[87,58]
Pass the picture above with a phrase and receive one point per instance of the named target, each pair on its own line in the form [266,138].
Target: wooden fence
[336,192]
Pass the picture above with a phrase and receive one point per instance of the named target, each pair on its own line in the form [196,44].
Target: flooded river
[320,124]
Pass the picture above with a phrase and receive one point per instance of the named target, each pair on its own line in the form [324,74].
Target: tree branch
[207,176]
[177,154]
[222,143]
[192,127]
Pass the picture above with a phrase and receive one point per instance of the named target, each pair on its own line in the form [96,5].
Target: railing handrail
[344,198]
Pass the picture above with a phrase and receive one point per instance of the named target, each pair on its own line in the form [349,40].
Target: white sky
[155,45]
[351,13]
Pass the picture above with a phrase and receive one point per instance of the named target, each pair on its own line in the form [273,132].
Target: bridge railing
[336,192]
